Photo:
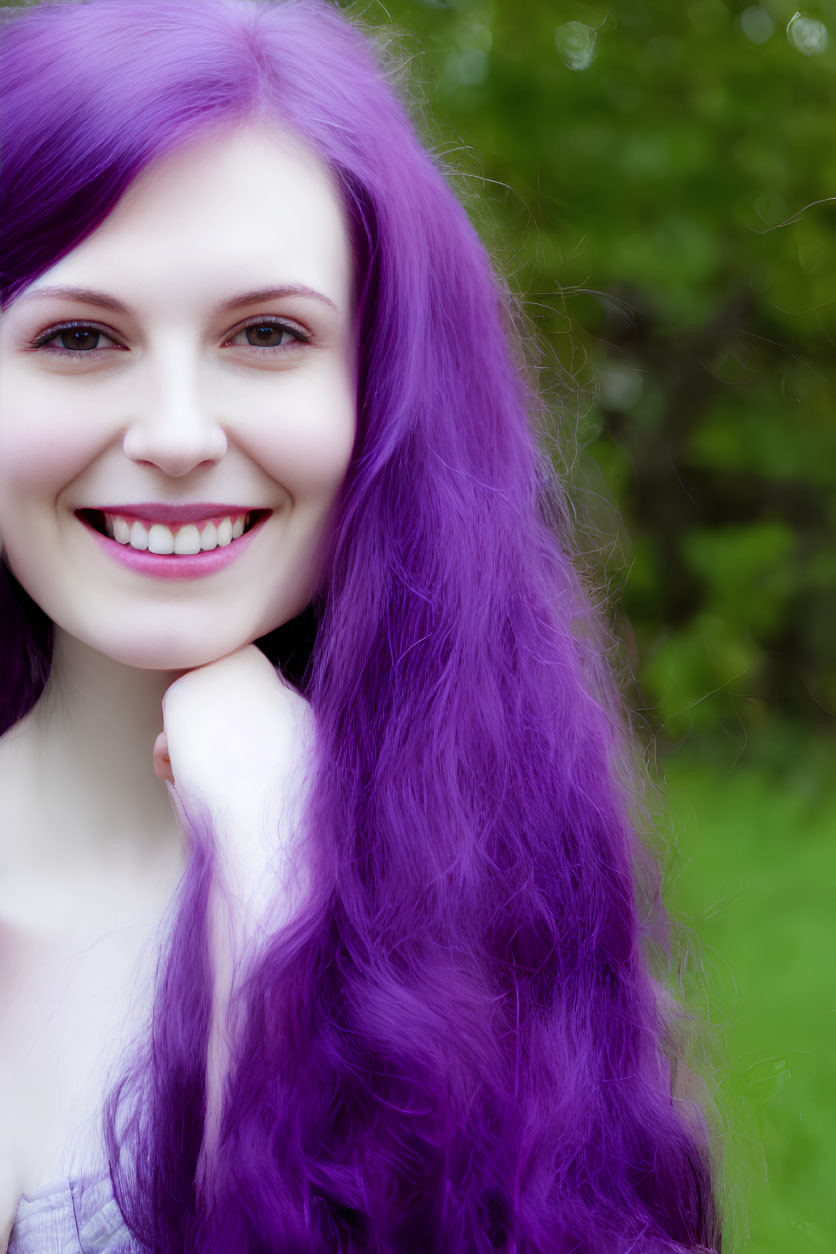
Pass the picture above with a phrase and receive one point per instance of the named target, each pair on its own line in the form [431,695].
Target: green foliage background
[637,204]
[654,179]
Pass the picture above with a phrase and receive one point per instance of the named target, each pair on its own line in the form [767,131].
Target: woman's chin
[170,655]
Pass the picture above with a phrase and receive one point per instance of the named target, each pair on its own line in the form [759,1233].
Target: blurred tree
[654,181]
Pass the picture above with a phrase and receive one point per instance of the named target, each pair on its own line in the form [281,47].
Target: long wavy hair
[457,1044]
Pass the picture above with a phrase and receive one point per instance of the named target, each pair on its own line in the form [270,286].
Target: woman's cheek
[45,438]
[304,441]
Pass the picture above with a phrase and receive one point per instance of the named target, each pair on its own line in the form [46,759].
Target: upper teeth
[157,538]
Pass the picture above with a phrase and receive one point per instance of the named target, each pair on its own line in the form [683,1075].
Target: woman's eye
[78,339]
[269,335]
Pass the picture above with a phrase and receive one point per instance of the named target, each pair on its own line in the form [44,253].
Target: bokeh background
[654,179]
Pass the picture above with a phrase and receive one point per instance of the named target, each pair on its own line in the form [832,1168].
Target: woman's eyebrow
[91,296]
[273,293]
[88,295]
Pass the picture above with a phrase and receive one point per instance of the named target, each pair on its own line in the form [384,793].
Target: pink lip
[186,566]
[172,515]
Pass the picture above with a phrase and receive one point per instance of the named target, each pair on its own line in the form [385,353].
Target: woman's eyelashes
[267,334]
[80,339]
[74,339]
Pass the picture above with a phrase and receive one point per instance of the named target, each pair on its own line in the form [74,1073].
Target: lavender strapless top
[78,1217]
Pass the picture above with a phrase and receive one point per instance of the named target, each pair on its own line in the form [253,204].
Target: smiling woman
[277,531]
[145,361]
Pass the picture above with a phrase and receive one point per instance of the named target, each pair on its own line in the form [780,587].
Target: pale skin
[173,403]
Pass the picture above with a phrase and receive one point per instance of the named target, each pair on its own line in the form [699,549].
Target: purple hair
[457,1045]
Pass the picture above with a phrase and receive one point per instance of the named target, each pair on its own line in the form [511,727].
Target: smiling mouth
[189,539]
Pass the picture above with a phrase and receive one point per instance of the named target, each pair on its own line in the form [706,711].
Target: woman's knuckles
[235,732]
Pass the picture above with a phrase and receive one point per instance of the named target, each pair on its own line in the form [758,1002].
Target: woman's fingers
[162,762]
[235,734]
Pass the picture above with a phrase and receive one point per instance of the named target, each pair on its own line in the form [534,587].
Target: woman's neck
[78,770]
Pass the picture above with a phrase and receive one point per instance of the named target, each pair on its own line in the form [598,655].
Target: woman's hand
[229,729]
[237,742]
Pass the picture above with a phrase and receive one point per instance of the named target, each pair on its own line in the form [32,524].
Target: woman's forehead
[237,209]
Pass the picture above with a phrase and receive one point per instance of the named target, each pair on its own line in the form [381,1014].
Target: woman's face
[191,361]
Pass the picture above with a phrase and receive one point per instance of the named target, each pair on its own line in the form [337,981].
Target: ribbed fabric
[80,1217]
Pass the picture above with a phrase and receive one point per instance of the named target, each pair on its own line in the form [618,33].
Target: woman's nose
[175,426]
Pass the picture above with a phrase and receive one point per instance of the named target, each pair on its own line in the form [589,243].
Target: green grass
[755,879]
